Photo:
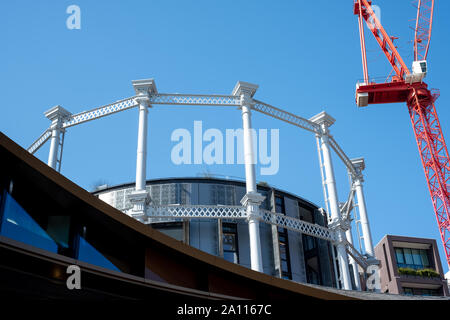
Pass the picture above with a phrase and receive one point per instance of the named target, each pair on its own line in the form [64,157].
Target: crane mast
[408,87]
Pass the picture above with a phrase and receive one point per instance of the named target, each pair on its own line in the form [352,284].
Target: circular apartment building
[286,253]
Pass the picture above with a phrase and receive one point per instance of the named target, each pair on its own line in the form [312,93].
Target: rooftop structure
[410,266]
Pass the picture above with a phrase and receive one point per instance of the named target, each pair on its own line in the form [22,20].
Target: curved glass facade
[286,254]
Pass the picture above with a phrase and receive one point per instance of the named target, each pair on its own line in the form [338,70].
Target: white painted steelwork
[196,211]
[358,179]
[241,97]
[181,212]
[252,199]
[285,116]
[239,212]
[40,141]
[325,120]
[195,100]
[100,112]
[298,225]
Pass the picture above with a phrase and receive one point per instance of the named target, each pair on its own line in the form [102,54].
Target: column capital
[57,113]
[339,225]
[359,165]
[324,120]
[246,91]
[139,196]
[254,198]
[144,87]
[244,88]
[139,199]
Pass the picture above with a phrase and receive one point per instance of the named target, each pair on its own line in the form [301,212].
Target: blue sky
[304,55]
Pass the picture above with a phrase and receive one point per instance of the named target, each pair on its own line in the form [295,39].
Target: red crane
[407,86]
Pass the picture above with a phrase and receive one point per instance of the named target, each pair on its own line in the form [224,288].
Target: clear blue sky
[304,55]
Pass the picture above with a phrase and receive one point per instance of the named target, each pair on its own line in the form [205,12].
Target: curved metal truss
[100,112]
[238,212]
[189,100]
[40,141]
[297,225]
[163,213]
[195,100]
[196,211]
[285,116]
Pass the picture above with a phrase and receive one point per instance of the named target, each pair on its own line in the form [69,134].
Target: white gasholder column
[139,197]
[325,120]
[56,116]
[359,166]
[252,198]
[349,237]
[141,158]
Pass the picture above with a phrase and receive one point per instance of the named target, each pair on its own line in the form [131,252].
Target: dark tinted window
[17,224]
[230,242]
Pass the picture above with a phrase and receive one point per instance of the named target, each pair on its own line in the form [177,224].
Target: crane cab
[419,71]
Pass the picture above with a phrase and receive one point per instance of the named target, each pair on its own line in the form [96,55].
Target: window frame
[234,232]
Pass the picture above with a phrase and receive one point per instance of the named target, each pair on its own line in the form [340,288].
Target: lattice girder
[194,99]
[40,141]
[285,116]
[100,112]
[297,225]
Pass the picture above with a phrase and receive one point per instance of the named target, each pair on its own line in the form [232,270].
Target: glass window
[423,66]
[399,255]
[283,241]
[408,291]
[408,256]
[230,242]
[313,270]
[424,257]
[222,194]
[421,292]
[279,204]
[172,229]
[312,260]
[282,250]
[412,258]
[89,254]
[230,256]
[17,224]
[417,259]
[309,243]
[284,266]
[58,228]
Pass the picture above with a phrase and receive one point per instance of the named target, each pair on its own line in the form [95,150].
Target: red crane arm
[424,24]
[427,129]
[435,158]
[382,37]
